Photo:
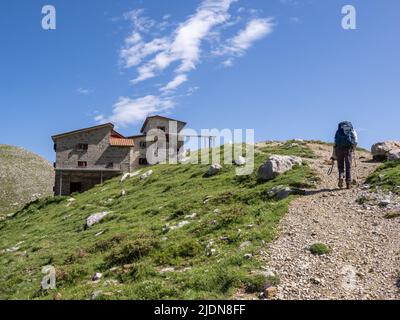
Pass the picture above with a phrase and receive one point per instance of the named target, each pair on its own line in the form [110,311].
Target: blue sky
[285,68]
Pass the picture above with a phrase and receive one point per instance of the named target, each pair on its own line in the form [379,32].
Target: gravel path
[365,259]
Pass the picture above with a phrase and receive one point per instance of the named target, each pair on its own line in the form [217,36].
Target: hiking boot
[348,185]
[340,183]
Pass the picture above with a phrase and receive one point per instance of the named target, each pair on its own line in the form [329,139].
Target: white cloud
[175,83]
[127,111]
[139,21]
[136,50]
[185,45]
[83,91]
[255,30]
[151,48]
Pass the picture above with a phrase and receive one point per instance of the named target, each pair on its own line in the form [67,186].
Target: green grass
[319,249]
[392,215]
[386,177]
[291,147]
[138,248]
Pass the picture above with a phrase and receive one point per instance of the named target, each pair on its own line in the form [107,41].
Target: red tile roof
[119,142]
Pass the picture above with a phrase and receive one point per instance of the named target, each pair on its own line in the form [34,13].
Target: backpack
[344,137]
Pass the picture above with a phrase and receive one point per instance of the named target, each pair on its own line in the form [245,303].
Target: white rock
[130,175]
[95,218]
[97,276]
[191,216]
[394,155]
[179,225]
[239,161]
[277,165]
[213,170]
[382,149]
[146,174]
[125,176]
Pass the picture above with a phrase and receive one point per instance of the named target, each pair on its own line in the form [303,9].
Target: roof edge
[109,124]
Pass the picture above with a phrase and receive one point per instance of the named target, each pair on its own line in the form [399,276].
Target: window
[143,162]
[82,164]
[82,146]
[161,128]
[143,145]
[110,165]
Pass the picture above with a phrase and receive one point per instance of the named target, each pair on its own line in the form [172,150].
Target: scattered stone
[180,225]
[217,211]
[277,165]
[248,256]
[244,245]
[271,292]
[146,174]
[167,269]
[209,249]
[239,161]
[123,193]
[317,281]
[96,218]
[97,276]
[191,216]
[214,170]
[130,175]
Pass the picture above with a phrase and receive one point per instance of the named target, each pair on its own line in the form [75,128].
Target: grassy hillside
[387,177]
[24,176]
[224,221]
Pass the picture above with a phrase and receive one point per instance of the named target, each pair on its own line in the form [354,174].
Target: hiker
[346,141]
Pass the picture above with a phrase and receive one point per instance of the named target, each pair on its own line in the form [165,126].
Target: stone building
[90,156]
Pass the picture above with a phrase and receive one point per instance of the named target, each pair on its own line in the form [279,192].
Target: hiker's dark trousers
[344,159]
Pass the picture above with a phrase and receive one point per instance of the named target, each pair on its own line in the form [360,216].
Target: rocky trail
[364,262]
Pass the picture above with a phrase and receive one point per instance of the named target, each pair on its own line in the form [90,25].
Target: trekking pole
[331,168]
[355,181]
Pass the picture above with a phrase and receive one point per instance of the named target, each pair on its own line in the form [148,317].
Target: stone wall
[98,155]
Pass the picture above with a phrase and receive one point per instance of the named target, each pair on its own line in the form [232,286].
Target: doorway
[75,187]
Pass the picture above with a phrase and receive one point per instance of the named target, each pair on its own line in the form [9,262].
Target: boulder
[95,218]
[239,161]
[394,155]
[381,150]
[277,165]
[213,170]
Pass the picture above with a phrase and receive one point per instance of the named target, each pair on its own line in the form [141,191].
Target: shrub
[319,249]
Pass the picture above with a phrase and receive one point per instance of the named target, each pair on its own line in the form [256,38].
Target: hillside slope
[175,234]
[24,176]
